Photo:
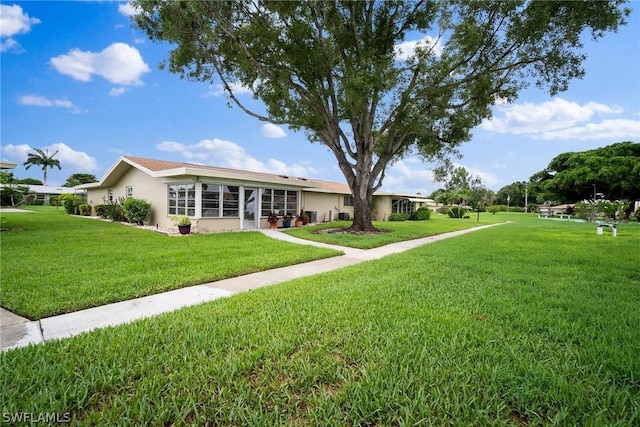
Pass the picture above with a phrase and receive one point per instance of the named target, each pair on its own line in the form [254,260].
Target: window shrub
[85,210]
[53,201]
[398,217]
[422,214]
[38,202]
[100,211]
[136,210]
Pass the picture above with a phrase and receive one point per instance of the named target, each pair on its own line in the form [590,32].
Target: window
[230,200]
[267,198]
[129,192]
[348,201]
[402,206]
[210,200]
[279,201]
[182,199]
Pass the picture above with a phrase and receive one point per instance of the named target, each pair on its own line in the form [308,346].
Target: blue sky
[79,79]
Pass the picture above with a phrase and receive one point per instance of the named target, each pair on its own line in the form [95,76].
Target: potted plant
[286,220]
[183,222]
[302,218]
[272,219]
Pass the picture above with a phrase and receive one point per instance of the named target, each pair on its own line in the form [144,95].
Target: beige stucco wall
[144,187]
[327,205]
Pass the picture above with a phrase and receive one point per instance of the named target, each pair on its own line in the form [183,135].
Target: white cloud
[117,91]
[407,49]
[535,119]
[617,129]
[41,101]
[236,87]
[128,9]
[270,130]
[13,21]
[119,63]
[223,153]
[70,160]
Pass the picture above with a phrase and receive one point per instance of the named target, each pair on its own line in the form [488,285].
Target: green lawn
[55,263]
[395,231]
[531,323]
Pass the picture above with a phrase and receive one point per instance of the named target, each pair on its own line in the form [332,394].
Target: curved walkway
[16,331]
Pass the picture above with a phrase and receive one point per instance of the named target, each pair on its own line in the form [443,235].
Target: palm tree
[42,158]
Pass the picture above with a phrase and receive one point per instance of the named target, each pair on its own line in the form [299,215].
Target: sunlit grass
[54,263]
[530,323]
[392,231]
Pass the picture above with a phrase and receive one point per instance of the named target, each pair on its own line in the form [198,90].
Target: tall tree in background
[334,69]
[43,159]
[79,178]
[613,170]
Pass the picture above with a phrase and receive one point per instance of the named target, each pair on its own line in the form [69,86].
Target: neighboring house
[46,192]
[222,199]
[7,165]
[554,210]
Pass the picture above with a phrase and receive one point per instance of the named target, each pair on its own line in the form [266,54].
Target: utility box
[343,216]
[313,216]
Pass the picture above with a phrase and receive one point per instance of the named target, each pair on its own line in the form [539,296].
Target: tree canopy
[613,170]
[79,178]
[334,69]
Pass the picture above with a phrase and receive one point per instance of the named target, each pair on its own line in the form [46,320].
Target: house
[222,199]
[554,210]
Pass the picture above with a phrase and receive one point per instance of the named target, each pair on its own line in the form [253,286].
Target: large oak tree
[333,69]
[613,170]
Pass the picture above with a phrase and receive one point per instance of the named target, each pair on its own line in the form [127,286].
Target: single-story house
[554,210]
[4,165]
[222,199]
[46,192]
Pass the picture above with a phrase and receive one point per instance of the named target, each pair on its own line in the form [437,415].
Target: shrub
[85,209]
[114,212]
[54,201]
[422,214]
[586,211]
[457,212]
[444,210]
[38,202]
[494,209]
[71,203]
[136,210]
[398,217]
[100,210]
[637,214]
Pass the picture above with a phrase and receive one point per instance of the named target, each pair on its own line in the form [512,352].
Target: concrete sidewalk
[16,331]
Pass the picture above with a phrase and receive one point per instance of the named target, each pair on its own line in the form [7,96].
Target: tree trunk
[362,191]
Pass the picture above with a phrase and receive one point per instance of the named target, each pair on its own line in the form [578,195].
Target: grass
[531,323]
[396,231]
[54,263]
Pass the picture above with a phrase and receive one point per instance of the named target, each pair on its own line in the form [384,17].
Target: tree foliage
[333,68]
[518,193]
[79,178]
[42,158]
[613,170]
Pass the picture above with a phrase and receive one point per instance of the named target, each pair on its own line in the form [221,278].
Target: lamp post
[594,193]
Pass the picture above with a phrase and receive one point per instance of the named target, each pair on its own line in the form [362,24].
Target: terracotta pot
[298,223]
[273,225]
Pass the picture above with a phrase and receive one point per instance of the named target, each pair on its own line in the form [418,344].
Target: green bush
[101,211]
[85,210]
[637,214]
[71,203]
[457,212]
[38,202]
[444,210]
[422,214]
[114,212]
[494,209]
[136,210]
[398,217]
[54,201]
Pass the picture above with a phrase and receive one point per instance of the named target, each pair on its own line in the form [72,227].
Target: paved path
[16,331]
